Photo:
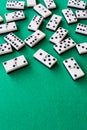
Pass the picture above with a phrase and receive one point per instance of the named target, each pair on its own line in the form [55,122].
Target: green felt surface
[35,97]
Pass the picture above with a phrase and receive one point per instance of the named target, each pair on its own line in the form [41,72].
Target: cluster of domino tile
[57,38]
[17,43]
[81,13]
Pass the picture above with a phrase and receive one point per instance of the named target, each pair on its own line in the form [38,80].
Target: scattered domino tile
[5,48]
[45,58]
[59,35]
[73,68]
[35,23]
[81,14]
[8,27]
[15,4]
[42,10]
[54,22]
[33,39]
[15,41]
[69,16]
[80,4]
[15,63]
[50,4]
[1,19]
[82,48]
[64,45]
[81,28]
[13,16]
[31,3]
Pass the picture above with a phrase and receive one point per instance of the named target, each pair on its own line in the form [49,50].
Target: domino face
[5,48]
[33,39]
[14,16]
[15,41]
[8,27]
[73,68]
[65,45]
[15,63]
[59,35]
[77,4]
[1,19]
[81,28]
[42,10]
[31,3]
[45,58]
[35,23]
[54,22]
[50,4]
[15,4]
[69,16]
[82,48]
[81,14]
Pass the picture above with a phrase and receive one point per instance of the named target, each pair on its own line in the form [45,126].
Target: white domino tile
[14,16]
[81,28]
[59,35]
[50,4]
[69,16]
[42,10]
[35,23]
[82,48]
[35,38]
[45,58]
[73,68]
[81,14]
[64,45]
[80,4]
[15,41]
[54,22]
[15,63]
[5,48]
[8,27]
[11,4]
[31,3]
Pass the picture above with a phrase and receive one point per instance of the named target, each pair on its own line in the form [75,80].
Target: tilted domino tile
[73,68]
[15,41]
[81,14]
[1,19]
[77,4]
[59,35]
[14,64]
[45,58]
[50,4]
[42,10]
[13,16]
[33,39]
[35,23]
[81,28]
[64,45]
[15,4]
[82,48]
[5,48]
[8,27]
[54,22]
[31,3]
[69,16]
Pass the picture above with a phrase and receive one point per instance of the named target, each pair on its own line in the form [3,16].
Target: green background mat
[35,97]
